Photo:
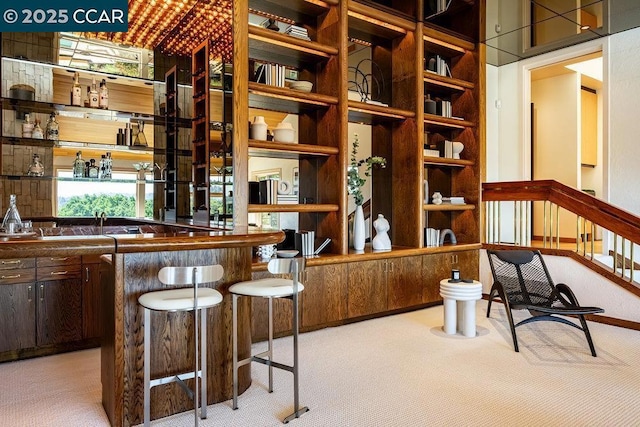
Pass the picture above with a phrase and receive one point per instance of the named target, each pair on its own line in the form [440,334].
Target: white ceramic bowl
[302,85]
[286,253]
[283,133]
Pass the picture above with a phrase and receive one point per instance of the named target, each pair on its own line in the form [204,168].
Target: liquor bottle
[108,166]
[53,128]
[37,131]
[87,99]
[94,98]
[27,127]
[78,166]
[36,168]
[101,167]
[12,216]
[94,171]
[104,95]
[76,91]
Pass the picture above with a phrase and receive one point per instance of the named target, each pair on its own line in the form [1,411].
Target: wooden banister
[614,219]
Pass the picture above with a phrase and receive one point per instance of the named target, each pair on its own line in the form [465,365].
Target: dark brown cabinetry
[367,288]
[48,306]
[91,316]
[404,282]
[438,266]
[325,295]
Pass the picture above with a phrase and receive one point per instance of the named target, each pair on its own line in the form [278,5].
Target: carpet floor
[395,371]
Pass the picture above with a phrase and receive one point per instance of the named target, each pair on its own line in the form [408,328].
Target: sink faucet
[102,218]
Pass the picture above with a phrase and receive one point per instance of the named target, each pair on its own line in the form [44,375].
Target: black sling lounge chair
[522,281]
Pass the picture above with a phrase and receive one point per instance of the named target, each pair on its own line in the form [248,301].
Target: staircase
[508,208]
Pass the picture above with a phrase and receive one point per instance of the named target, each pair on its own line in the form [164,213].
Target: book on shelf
[453,200]
[305,242]
[437,65]
[431,237]
[443,108]
[298,32]
[271,74]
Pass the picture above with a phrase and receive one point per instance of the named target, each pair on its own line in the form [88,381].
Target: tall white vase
[358,229]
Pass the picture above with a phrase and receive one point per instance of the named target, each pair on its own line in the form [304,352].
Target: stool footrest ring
[272,363]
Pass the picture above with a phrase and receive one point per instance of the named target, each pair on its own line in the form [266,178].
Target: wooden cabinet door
[17,317]
[438,266]
[367,288]
[404,282]
[91,301]
[59,311]
[325,295]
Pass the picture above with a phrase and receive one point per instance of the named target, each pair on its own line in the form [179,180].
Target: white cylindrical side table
[459,300]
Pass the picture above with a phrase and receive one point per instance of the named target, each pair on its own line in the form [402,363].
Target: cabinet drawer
[58,272]
[18,275]
[91,259]
[12,264]
[58,261]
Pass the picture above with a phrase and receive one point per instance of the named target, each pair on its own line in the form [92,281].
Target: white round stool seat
[270,287]
[179,299]
[461,291]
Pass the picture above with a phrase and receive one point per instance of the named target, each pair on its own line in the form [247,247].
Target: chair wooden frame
[522,282]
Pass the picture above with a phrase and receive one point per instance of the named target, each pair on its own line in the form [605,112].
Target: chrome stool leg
[297,411]
[270,350]
[234,332]
[147,367]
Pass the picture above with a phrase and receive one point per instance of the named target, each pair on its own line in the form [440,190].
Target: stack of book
[443,108]
[271,74]
[305,242]
[263,192]
[431,237]
[453,200]
[298,32]
[437,65]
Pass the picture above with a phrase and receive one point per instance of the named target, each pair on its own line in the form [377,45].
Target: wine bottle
[94,98]
[76,91]
[104,95]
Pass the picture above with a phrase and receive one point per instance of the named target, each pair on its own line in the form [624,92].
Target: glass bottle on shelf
[102,167]
[94,171]
[27,126]
[103,102]
[94,98]
[87,99]
[76,91]
[108,165]
[36,168]
[12,216]
[52,132]
[37,131]
[78,166]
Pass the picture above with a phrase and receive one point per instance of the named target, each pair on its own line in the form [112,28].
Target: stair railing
[508,206]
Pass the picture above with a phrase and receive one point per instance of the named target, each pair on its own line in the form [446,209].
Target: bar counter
[129,267]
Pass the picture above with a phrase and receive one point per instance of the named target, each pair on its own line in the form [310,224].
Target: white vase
[358,229]
[259,128]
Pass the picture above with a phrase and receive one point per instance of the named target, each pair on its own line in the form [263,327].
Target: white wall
[556,145]
[624,122]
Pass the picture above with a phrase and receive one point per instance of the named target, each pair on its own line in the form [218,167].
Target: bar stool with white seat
[271,288]
[182,299]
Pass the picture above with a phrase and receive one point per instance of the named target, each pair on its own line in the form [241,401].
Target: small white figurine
[381,242]
[437,198]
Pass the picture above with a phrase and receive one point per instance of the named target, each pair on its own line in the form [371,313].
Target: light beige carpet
[395,371]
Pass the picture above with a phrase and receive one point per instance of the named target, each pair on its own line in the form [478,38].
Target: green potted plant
[355,182]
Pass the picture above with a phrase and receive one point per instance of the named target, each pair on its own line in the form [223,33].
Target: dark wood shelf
[376,26]
[446,83]
[300,11]
[442,161]
[362,112]
[308,208]
[271,46]
[439,122]
[285,150]
[445,44]
[16,140]
[448,207]
[286,100]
